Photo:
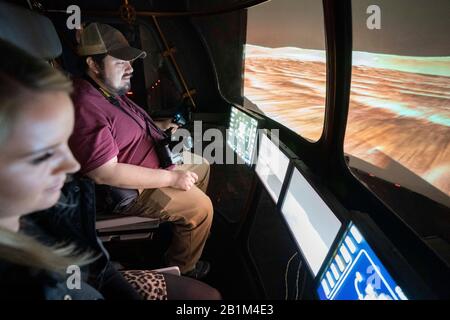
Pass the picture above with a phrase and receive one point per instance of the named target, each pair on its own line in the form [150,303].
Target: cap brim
[91,50]
[127,53]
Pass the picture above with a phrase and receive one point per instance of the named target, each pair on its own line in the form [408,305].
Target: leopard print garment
[151,285]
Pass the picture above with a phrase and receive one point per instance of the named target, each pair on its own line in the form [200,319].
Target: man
[114,141]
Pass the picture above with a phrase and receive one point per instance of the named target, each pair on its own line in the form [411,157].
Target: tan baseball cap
[98,38]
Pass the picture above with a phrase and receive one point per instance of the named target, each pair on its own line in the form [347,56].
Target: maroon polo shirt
[103,131]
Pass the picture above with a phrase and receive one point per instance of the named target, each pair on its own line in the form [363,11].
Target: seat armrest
[171,270]
[123,221]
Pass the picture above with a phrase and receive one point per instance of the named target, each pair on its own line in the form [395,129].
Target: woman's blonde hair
[21,76]
[24,250]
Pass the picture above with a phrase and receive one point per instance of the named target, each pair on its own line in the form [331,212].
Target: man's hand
[184,180]
[129,176]
[165,124]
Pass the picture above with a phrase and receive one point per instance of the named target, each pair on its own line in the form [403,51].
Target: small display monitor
[356,273]
[242,134]
[271,166]
[312,223]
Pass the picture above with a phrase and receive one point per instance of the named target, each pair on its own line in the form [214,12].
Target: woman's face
[35,157]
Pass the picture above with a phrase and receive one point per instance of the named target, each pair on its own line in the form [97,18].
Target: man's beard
[117,91]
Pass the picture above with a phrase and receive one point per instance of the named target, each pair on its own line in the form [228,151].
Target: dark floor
[229,272]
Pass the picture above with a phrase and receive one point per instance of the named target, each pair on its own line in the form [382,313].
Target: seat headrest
[30,31]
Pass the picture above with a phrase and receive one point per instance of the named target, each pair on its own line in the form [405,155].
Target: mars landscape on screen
[399,105]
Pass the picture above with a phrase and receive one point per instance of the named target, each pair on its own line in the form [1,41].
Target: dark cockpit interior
[326,125]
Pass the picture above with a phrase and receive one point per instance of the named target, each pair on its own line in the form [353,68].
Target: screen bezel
[327,197]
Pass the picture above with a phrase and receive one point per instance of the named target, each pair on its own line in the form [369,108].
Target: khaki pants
[191,213]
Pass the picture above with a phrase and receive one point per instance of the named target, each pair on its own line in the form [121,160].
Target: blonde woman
[36,120]
[41,242]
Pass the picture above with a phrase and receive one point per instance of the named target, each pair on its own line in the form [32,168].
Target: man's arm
[129,176]
[165,124]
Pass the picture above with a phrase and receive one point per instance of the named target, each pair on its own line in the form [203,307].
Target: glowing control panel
[242,133]
[356,273]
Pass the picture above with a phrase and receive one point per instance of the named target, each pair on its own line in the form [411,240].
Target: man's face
[116,74]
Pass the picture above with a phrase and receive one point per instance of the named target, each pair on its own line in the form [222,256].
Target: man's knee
[207,208]
[203,211]
[206,162]
[204,167]
[207,167]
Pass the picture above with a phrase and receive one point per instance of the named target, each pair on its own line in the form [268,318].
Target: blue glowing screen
[356,273]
